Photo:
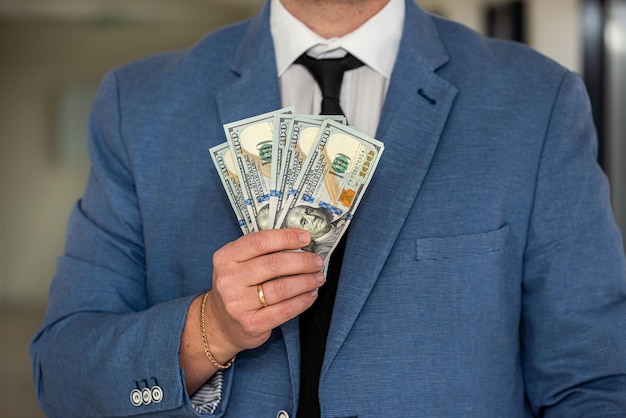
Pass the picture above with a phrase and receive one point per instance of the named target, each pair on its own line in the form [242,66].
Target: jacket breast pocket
[451,247]
[465,278]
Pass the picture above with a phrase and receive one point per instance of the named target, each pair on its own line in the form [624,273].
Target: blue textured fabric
[483,275]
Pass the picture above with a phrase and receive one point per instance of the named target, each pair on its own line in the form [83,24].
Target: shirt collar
[375,43]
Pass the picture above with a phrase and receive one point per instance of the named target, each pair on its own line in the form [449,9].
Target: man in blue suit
[483,274]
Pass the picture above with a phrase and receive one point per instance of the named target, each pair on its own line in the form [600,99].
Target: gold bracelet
[208,353]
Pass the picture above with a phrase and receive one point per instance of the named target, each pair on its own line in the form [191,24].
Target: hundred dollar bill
[331,184]
[300,137]
[223,159]
[251,142]
[282,128]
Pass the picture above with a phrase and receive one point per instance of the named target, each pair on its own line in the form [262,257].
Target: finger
[285,288]
[271,266]
[265,242]
[273,316]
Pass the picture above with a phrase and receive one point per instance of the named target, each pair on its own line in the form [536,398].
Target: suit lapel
[416,109]
[255,88]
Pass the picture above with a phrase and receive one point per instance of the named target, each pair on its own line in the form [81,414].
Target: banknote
[223,160]
[251,142]
[301,134]
[331,183]
[282,129]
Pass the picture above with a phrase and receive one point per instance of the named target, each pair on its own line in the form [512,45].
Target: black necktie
[315,322]
[329,74]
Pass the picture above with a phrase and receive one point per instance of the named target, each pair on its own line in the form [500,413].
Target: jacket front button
[282,414]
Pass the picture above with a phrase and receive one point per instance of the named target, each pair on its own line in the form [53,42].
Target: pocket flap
[461,245]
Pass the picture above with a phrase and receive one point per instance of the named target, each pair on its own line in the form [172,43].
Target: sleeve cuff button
[146,396]
[157,394]
[135,397]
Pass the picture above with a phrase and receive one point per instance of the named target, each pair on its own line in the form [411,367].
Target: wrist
[216,356]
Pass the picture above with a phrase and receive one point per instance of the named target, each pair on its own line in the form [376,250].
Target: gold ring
[259,291]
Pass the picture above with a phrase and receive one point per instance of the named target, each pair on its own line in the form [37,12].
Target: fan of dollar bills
[283,170]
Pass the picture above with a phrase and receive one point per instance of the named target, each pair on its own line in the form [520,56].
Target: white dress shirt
[364,89]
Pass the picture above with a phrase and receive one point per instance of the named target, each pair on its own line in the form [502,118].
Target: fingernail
[319,261]
[320,278]
[314,293]
[304,238]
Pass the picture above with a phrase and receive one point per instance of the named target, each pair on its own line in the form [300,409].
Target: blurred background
[53,54]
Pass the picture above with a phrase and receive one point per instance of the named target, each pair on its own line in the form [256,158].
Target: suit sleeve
[103,349]
[574,307]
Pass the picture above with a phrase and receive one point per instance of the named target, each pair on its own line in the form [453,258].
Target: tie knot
[328,73]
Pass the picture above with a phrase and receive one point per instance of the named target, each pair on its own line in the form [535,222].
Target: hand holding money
[235,319]
[289,281]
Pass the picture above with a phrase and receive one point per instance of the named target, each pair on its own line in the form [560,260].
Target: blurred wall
[47,62]
[616,106]
[553,25]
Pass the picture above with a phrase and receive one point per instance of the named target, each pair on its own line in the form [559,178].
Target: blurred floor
[17,393]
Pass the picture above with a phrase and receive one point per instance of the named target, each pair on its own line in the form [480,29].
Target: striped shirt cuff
[208,397]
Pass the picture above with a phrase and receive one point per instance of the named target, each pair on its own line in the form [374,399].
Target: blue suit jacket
[483,276]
